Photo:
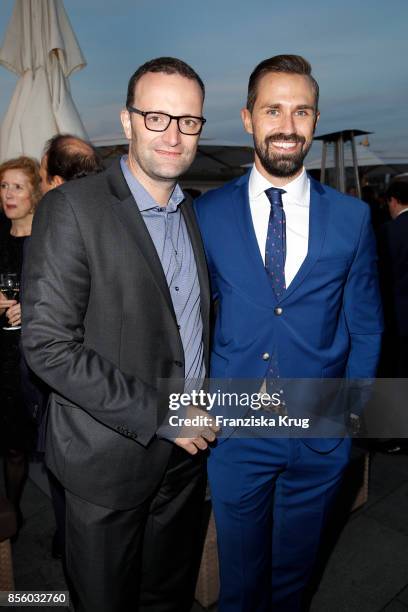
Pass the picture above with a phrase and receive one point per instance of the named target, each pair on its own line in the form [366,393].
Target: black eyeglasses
[159,122]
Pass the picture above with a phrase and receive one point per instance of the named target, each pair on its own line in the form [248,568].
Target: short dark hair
[398,190]
[291,64]
[71,157]
[167,65]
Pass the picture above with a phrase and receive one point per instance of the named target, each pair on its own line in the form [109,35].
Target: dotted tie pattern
[275,255]
[275,251]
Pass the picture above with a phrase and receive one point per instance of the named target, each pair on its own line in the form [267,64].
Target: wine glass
[10,288]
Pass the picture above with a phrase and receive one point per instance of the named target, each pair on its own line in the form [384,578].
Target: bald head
[76,145]
[65,158]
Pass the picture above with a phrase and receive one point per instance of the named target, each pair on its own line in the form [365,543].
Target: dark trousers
[58,504]
[142,559]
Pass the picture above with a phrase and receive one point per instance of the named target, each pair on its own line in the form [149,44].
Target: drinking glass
[10,288]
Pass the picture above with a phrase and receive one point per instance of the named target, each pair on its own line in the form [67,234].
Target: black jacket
[393,260]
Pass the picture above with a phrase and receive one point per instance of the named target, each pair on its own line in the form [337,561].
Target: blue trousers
[271,498]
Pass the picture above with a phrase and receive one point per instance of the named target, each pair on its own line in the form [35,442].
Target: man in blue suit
[293,268]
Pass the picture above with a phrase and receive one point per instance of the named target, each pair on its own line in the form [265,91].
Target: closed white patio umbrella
[40,47]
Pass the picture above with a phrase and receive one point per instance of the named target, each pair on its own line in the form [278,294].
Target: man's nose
[172,134]
[288,124]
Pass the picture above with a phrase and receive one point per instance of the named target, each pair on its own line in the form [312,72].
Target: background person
[19,194]
[393,267]
[393,251]
[66,158]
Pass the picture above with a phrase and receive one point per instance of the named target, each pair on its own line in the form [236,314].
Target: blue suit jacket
[331,320]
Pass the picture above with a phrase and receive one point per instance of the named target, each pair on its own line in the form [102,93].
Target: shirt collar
[296,190]
[143,198]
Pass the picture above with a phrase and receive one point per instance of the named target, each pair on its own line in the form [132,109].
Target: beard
[282,165]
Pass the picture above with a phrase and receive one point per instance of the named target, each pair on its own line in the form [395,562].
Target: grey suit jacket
[99,328]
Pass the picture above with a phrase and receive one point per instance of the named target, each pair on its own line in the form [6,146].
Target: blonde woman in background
[19,195]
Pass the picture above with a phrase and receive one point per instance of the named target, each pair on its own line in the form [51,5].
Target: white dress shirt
[296,204]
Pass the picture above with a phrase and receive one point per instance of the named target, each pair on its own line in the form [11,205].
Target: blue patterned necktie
[275,249]
[275,255]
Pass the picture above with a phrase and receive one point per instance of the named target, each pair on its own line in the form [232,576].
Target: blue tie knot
[274,195]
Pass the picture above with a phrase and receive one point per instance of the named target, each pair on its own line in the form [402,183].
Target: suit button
[278,311]
[265,356]
[179,364]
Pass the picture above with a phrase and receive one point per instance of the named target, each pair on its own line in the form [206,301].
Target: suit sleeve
[57,280]
[362,307]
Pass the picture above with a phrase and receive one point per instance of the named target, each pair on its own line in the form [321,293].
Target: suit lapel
[318,218]
[243,218]
[125,207]
[201,264]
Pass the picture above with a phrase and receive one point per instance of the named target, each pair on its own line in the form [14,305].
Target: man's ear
[56,181]
[317,117]
[127,127]
[247,120]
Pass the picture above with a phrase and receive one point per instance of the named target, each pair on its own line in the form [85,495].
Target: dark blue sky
[358,50]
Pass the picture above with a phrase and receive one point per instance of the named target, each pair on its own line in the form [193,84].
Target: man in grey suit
[115,316]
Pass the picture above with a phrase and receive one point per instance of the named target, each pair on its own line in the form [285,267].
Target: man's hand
[13,314]
[194,438]
[5,303]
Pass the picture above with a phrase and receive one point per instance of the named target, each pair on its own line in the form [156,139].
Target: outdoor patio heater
[338,139]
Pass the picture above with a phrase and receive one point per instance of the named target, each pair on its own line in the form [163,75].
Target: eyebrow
[161,112]
[298,107]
